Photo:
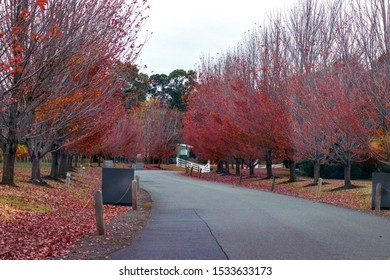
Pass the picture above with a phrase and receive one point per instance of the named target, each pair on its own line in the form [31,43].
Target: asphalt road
[198,220]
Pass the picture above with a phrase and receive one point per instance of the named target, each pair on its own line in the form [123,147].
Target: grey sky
[184,30]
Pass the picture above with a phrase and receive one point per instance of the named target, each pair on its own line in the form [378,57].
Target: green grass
[21,203]
[28,164]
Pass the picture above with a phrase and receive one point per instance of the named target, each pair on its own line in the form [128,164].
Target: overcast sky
[184,30]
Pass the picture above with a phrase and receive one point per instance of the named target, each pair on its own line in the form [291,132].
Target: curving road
[199,220]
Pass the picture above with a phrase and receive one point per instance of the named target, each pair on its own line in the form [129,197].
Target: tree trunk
[220,167]
[70,162]
[63,168]
[227,170]
[268,163]
[251,168]
[317,167]
[54,165]
[36,168]
[293,173]
[238,171]
[76,160]
[9,163]
[10,146]
[347,174]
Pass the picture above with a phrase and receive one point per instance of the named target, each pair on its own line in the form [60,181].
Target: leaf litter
[44,222]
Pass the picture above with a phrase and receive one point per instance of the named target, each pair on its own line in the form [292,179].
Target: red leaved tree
[161,129]
[208,123]
[51,51]
[352,116]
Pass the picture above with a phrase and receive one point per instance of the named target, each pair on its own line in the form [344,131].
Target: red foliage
[124,137]
[226,117]
[204,125]
[263,119]
[161,130]
[348,114]
[42,4]
[58,69]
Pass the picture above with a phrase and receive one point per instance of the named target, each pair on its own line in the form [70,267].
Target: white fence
[195,166]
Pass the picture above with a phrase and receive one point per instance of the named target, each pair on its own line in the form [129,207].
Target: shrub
[362,170]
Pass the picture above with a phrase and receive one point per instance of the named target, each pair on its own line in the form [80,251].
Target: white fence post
[67,182]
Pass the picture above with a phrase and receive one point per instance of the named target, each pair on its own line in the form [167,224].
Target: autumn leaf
[24,14]
[42,4]
[19,70]
[17,47]
[37,37]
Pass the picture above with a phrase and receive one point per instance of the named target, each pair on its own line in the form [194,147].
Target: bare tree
[372,21]
[312,45]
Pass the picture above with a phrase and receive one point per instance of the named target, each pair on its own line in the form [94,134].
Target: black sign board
[384,179]
[117,184]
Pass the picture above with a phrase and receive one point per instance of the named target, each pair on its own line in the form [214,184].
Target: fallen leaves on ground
[38,222]
[332,191]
